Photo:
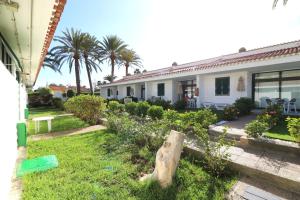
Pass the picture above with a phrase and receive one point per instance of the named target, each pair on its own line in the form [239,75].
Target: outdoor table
[37,122]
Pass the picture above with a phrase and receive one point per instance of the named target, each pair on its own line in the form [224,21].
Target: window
[108,92]
[222,86]
[161,89]
[128,90]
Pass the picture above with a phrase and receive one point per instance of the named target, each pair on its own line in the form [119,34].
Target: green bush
[256,128]
[294,127]
[70,93]
[180,105]
[205,117]
[121,107]
[244,105]
[113,106]
[131,108]
[275,111]
[155,112]
[142,108]
[86,107]
[266,118]
[58,103]
[230,113]
[161,102]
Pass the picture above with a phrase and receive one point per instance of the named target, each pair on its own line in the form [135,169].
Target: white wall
[208,87]
[152,89]
[10,112]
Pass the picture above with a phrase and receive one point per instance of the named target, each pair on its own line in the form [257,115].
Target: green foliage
[256,128]
[155,112]
[86,107]
[131,108]
[58,103]
[266,118]
[180,105]
[230,113]
[244,105]
[160,102]
[113,106]
[142,108]
[275,111]
[294,127]
[70,93]
[40,98]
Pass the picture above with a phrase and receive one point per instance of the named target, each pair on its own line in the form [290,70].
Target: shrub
[70,93]
[275,111]
[121,107]
[205,117]
[180,105]
[41,97]
[131,107]
[256,128]
[86,107]
[155,112]
[294,127]
[161,102]
[244,105]
[230,113]
[113,106]
[58,103]
[142,108]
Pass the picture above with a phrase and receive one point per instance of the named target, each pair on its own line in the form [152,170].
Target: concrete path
[65,133]
[274,168]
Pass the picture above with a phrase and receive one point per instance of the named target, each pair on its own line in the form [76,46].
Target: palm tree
[129,58]
[51,63]
[276,1]
[110,78]
[69,50]
[91,55]
[111,48]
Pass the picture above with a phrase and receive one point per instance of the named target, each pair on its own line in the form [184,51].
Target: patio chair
[292,105]
[221,106]
[208,104]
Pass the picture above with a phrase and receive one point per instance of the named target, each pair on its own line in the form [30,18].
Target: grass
[59,123]
[97,166]
[281,132]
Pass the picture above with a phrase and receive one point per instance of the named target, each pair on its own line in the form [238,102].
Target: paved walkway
[65,133]
[277,168]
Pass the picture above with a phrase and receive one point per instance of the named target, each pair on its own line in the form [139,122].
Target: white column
[201,88]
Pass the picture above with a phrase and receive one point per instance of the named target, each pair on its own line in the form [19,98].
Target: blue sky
[164,31]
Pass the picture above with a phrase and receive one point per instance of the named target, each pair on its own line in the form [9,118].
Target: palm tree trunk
[126,68]
[77,75]
[112,68]
[89,75]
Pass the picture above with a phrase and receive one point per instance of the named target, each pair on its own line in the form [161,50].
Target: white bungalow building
[268,72]
[26,30]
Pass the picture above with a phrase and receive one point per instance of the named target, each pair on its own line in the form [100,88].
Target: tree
[111,48]
[129,58]
[276,1]
[69,50]
[70,93]
[51,63]
[91,55]
[137,71]
[110,78]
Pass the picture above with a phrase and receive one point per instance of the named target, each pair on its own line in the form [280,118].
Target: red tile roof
[264,53]
[57,88]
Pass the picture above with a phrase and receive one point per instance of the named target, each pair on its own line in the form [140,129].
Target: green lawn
[59,123]
[280,132]
[97,166]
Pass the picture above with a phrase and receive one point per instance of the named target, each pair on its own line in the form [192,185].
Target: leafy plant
[58,103]
[160,102]
[86,107]
[155,112]
[113,106]
[256,128]
[131,108]
[180,105]
[142,108]
[294,127]
[70,93]
[230,113]
[275,111]
[244,105]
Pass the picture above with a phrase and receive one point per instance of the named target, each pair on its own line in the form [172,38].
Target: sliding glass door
[272,85]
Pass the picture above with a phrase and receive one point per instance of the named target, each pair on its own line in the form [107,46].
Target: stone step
[278,169]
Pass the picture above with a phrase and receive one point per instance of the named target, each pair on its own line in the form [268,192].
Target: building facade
[268,72]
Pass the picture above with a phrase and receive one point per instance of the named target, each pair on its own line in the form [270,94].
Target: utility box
[26,113]
[22,134]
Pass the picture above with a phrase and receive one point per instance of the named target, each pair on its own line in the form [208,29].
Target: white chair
[292,105]
[208,104]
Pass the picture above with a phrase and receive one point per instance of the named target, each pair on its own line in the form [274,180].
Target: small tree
[70,93]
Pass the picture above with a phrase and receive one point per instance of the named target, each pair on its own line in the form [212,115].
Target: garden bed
[281,132]
[97,166]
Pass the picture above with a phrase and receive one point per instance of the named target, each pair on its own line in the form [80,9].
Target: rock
[167,158]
